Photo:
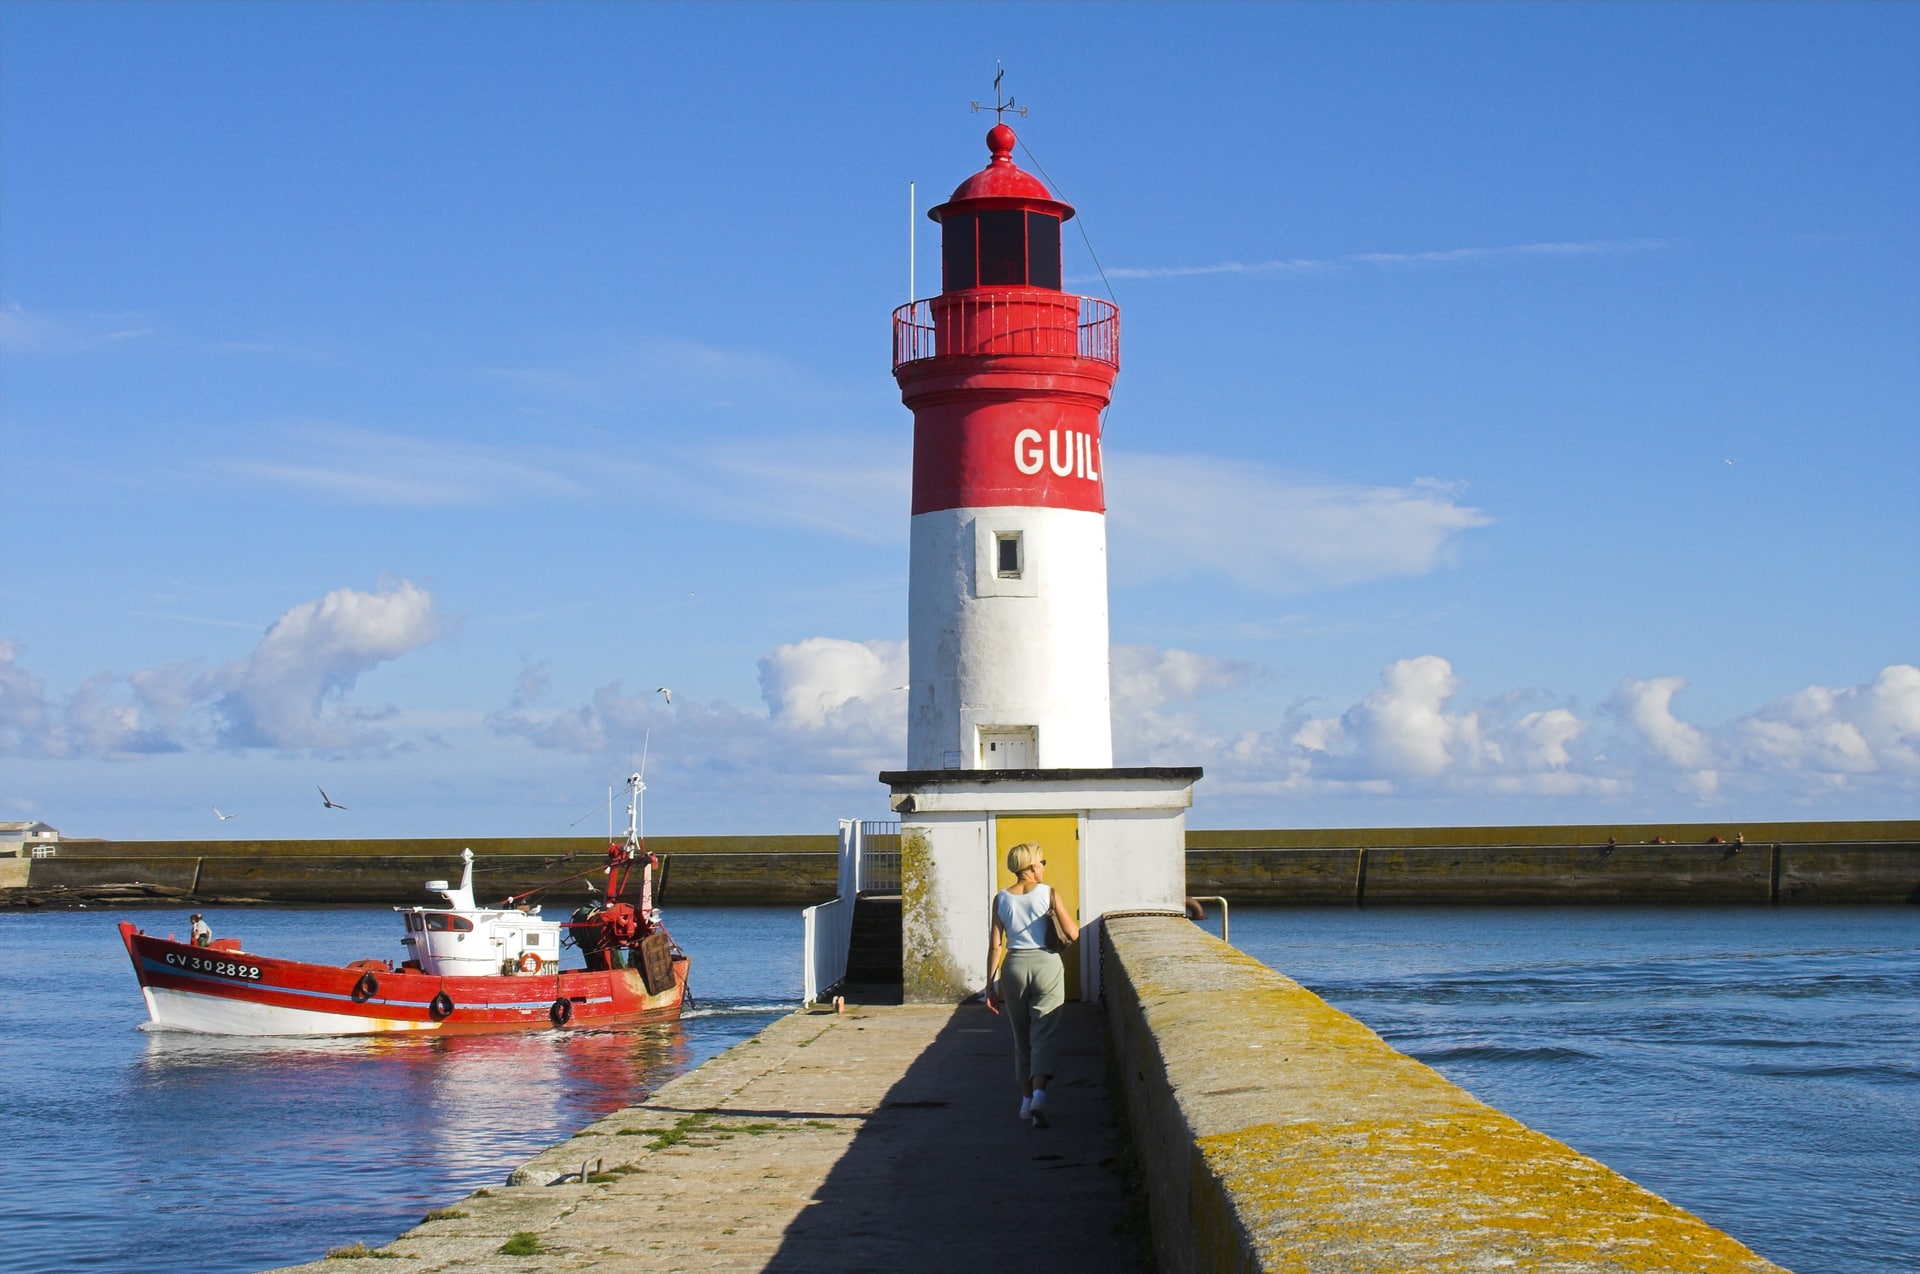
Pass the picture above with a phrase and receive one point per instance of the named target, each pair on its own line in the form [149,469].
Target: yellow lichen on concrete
[1454,1193]
[1279,1133]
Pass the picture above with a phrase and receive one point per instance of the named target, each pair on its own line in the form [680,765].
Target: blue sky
[1519,416]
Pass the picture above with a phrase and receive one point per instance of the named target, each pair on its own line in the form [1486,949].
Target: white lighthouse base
[1008,659]
[1114,839]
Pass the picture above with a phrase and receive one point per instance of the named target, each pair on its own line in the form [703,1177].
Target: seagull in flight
[223,817]
[328,801]
[668,693]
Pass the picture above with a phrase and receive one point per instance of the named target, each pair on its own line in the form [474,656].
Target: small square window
[1006,554]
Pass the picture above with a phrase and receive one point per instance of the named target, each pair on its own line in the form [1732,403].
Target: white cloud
[1411,737]
[1816,741]
[1442,256]
[1145,678]
[23,705]
[290,692]
[831,710]
[844,485]
[676,374]
[1541,738]
[106,716]
[1408,737]
[1647,706]
[829,683]
[1183,515]
[1155,695]
[363,466]
[24,331]
[1403,730]
[855,488]
[1864,729]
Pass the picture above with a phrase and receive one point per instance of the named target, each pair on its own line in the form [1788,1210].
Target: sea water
[135,1150]
[1758,1067]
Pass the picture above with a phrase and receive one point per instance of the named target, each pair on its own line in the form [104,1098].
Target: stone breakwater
[1781,863]
[1276,1132]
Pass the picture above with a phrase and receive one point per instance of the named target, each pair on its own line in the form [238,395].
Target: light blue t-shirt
[1023,917]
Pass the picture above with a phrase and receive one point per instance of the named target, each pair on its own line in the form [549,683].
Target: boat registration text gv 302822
[224,968]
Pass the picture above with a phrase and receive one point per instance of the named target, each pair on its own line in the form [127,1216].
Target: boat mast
[635,786]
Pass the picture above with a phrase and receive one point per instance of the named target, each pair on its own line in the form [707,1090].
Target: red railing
[1022,321]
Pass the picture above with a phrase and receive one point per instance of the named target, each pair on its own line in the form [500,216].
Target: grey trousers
[1033,986]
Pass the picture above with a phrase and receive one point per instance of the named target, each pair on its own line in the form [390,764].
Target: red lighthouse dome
[1002,179]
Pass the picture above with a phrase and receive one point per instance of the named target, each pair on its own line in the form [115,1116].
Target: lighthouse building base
[1114,841]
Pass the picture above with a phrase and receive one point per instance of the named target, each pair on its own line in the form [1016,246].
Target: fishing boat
[468,968]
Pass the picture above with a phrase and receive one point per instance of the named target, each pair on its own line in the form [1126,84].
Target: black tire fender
[366,988]
[440,1007]
[561,1012]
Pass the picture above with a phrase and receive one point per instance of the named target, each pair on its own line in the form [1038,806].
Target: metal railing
[1223,913]
[879,858]
[1010,322]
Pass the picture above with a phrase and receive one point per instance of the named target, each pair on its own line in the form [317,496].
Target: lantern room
[1001,228]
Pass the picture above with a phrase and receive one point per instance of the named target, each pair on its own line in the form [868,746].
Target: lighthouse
[1009,727]
[1007,377]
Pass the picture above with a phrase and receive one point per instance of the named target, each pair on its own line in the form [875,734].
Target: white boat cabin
[469,941]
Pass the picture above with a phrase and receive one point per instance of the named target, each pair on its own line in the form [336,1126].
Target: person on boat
[201,934]
[1026,977]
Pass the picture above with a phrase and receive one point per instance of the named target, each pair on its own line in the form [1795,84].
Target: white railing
[827,927]
[869,863]
[827,933]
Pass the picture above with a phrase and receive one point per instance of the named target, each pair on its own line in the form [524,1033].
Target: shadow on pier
[945,1176]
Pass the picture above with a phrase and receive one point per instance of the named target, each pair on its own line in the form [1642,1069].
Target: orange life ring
[529,963]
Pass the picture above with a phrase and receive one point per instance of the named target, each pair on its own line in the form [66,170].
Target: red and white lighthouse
[1009,727]
[1007,376]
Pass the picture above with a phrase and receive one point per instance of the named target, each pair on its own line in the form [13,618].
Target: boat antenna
[635,786]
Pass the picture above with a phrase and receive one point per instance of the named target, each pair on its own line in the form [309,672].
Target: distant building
[22,840]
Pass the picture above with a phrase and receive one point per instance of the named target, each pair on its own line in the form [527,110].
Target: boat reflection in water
[433,1116]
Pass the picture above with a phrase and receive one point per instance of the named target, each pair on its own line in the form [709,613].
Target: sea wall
[796,870]
[1275,1132]
[1783,863]
[1384,875]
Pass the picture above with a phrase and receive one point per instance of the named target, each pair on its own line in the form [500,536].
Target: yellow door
[1058,836]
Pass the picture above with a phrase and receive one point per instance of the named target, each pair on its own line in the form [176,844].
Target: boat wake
[723,1008]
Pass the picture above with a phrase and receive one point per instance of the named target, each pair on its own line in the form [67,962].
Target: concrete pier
[882,1139]
[1264,1130]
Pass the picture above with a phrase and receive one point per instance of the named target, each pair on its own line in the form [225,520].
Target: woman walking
[1026,977]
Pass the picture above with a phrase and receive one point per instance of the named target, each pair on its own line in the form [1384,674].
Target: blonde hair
[1022,856]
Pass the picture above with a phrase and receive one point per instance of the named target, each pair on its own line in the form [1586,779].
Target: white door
[1007,749]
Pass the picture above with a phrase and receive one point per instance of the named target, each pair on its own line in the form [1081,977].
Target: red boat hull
[226,991]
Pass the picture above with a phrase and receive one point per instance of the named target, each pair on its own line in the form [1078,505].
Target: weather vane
[1000,108]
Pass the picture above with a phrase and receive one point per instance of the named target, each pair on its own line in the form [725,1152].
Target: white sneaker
[1036,1108]
[1026,1107]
